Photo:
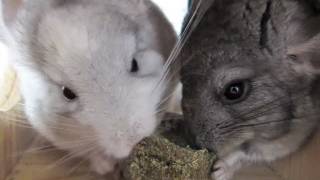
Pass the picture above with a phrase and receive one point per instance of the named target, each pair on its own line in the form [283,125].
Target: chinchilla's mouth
[174,128]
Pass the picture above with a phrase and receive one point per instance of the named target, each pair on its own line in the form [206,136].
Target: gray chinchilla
[250,80]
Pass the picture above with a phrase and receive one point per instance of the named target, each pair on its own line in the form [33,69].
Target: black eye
[236,91]
[134,66]
[68,94]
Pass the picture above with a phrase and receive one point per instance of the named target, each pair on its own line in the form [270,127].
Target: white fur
[225,168]
[88,47]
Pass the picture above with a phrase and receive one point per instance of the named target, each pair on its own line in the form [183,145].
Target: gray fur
[241,39]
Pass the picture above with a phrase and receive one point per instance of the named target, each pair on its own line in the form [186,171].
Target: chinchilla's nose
[191,138]
[198,139]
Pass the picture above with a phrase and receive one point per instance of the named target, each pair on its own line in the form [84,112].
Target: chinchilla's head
[244,83]
[89,71]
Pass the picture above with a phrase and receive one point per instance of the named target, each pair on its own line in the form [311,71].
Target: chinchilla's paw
[222,171]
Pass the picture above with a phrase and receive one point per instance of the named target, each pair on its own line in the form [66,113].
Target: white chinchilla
[90,73]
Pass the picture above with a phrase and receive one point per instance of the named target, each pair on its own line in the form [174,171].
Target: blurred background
[175,10]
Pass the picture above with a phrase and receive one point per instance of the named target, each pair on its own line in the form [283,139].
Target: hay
[167,156]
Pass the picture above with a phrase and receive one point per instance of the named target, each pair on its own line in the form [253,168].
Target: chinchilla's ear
[305,57]
[304,39]
[8,14]
[10,8]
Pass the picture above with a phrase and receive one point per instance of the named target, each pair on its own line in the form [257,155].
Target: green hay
[159,157]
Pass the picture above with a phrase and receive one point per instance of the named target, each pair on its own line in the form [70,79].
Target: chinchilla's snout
[191,137]
[197,139]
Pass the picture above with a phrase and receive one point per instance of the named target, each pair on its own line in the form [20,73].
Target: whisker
[19,154]
[77,143]
[274,103]
[160,111]
[57,126]
[265,123]
[19,124]
[194,20]
[41,149]
[76,167]
[242,126]
[70,156]
[22,124]
[165,99]
[263,109]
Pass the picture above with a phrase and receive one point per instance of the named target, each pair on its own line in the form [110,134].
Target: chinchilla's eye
[236,91]
[134,66]
[68,93]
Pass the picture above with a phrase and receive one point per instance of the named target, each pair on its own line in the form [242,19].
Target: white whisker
[70,156]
